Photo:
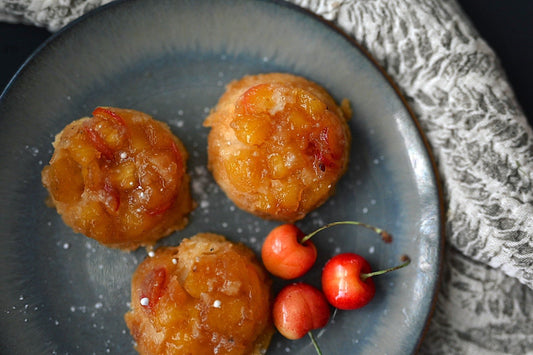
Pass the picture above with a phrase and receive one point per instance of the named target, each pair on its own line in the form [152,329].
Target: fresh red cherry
[298,309]
[347,280]
[288,253]
[284,255]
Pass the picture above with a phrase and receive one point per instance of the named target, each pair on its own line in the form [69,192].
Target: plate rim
[425,141]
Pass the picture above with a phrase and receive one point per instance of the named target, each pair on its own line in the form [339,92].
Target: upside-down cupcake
[206,296]
[278,145]
[119,177]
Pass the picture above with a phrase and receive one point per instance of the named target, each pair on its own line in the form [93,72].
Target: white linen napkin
[481,141]
[51,14]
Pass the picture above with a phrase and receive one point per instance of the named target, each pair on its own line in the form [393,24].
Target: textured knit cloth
[481,141]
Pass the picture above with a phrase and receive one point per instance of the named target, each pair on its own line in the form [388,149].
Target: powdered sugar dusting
[201,183]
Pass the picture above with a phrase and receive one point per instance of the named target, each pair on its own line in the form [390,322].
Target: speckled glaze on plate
[64,293]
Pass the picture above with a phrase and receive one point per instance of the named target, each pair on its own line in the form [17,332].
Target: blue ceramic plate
[64,293]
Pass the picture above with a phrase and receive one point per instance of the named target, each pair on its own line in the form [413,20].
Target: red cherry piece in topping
[107,113]
[152,288]
[98,143]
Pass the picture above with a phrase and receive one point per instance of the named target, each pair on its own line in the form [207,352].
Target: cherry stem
[406,261]
[385,236]
[315,343]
